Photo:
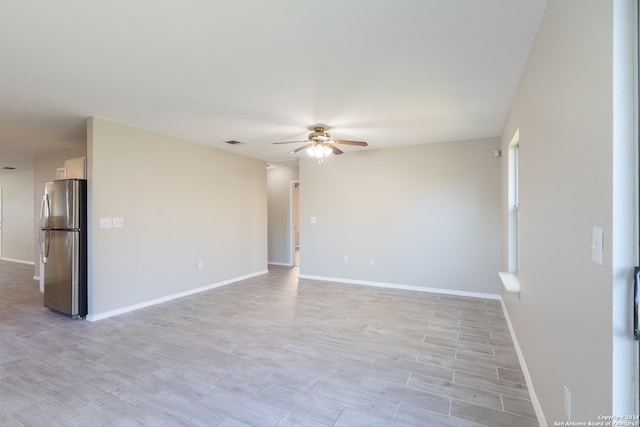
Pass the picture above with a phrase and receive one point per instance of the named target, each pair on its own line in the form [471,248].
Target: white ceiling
[389,72]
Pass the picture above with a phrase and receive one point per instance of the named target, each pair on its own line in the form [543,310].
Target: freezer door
[62,204]
[61,273]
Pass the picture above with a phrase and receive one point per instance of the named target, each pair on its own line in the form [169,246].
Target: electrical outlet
[200,265]
[346,259]
[372,261]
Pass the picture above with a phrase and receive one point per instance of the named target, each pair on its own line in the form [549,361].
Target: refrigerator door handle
[44,212]
[636,301]
[44,241]
[44,234]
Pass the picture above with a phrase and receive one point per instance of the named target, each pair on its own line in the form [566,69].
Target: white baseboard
[402,287]
[105,315]
[527,377]
[20,261]
[283,264]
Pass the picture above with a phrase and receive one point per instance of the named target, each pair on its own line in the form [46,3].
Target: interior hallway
[268,351]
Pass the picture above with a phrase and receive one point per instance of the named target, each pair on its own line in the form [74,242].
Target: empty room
[304,213]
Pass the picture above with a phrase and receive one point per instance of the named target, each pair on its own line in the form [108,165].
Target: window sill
[510,281]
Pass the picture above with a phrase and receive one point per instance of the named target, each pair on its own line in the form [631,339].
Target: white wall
[279,213]
[570,175]
[181,203]
[18,238]
[429,215]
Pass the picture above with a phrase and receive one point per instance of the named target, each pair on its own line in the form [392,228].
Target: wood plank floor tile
[355,399]
[459,365]
[230,422]
[293,420]
[504,361]
[178,409]
[417,417]
[8,421]
[513,375]
[456,391]
[268,351]
[492,384]
[356,418]
[301,404]
[518,406]
[488,416]
[413,367]
[240,406]
[51,412]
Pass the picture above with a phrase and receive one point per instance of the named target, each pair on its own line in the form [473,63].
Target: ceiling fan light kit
[320,144]
[319,151]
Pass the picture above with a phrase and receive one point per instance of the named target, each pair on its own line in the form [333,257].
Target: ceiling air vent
[233,142]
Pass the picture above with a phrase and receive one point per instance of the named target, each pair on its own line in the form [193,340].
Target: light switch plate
[118,222]
[597,240]
[106,223]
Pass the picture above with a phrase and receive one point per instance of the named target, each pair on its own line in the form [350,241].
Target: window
[510,279]
[514,203]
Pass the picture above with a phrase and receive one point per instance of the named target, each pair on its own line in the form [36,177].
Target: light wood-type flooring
[269,351]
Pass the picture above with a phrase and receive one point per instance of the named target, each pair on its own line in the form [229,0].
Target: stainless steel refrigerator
[63,246]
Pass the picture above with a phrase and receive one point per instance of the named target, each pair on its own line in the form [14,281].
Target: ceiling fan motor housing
[319,135]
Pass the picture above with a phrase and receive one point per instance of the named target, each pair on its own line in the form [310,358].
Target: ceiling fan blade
[335,149]
[342,141]
[291,142]
[300,148]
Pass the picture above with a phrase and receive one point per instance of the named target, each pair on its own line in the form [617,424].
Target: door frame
[1,216]
[636,201]
[293,213]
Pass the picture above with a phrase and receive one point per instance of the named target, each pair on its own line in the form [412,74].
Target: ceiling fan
[320,144]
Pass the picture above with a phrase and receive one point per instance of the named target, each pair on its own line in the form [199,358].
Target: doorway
[295,223]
